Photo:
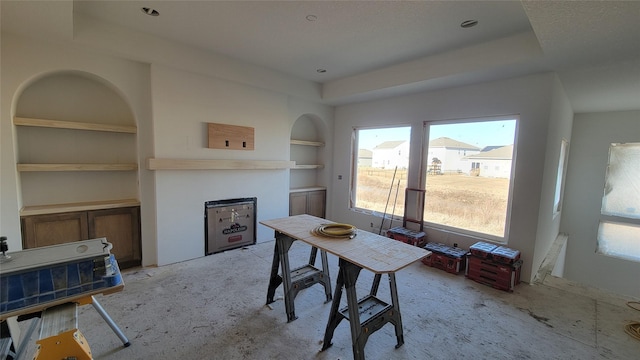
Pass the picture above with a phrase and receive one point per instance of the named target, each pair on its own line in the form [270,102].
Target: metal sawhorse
[297,279]
[366,315]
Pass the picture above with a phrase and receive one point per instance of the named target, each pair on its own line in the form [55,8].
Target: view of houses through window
[468,174]
[380,174]
[467,169]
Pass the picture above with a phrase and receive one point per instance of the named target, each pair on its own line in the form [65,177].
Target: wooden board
[230,137]
[213,164]
[306,143]
[79,206]
[59,124]
[77,167]
[370,251]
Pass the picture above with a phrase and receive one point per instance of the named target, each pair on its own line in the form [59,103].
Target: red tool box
[482,249]
[443,257]
[505,255]
[498,275]
[411,237]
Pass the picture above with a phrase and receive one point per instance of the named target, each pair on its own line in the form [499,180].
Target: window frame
[355,143]
[423,176]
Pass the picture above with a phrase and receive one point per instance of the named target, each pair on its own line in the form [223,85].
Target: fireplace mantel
[211,164]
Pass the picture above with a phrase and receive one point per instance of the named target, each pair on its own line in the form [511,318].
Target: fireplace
[229,224]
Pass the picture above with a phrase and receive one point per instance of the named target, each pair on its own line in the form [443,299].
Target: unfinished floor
[214,308]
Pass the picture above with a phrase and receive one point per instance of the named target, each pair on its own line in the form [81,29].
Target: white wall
[530,97]
[492,168]
[560,121]
[171,108]
[591,136]
[183,103]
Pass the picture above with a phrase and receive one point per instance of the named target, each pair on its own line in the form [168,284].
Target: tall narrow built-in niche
[306,194]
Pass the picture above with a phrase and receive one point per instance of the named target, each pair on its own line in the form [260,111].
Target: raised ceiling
[371,49]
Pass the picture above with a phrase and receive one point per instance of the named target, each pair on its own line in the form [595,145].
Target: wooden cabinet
[309,201]
[54,229]
[121,227]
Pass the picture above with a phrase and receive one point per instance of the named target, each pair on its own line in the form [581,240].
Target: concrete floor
[214,308]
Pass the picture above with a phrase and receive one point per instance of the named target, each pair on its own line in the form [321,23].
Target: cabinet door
[316,203]
[297,203]
[53,229]
[121,227]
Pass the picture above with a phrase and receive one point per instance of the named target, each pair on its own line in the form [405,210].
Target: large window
[619,229]
[380,169]
[468,167]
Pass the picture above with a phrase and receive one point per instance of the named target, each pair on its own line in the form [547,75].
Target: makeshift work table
[53,281]
[366,250]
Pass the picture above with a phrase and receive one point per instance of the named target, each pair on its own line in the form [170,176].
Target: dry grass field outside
[458,200]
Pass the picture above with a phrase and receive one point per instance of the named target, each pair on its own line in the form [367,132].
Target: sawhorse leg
[110,322]
[275,280]
[281,259]
[326,281]
[298,279]
[396,320]
[103,313]
[347,277]
[378,313]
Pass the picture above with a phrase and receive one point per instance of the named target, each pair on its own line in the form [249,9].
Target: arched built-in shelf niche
[77,163]
[76,140]
[307,194]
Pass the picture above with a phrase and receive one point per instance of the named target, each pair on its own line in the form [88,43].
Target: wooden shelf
[79,206]
[58,124]
[306,143]
[307,167]
[307,188]
[77,167]
[199,164]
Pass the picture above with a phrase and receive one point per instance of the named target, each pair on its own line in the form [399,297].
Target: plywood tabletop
[373,252]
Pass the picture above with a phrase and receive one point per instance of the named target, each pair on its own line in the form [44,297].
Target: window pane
[468,174]
[562,160]
[380,174]
[622,185]
[619,240]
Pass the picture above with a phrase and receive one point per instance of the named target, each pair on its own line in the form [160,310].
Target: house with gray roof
[365,157]
[390,154]
[450,153]
[492,163]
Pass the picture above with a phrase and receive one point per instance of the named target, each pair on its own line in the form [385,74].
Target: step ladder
[59,335]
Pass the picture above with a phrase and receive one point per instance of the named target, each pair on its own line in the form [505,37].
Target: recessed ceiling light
[150,11]
[321,71]
[468,23]
[311,17]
